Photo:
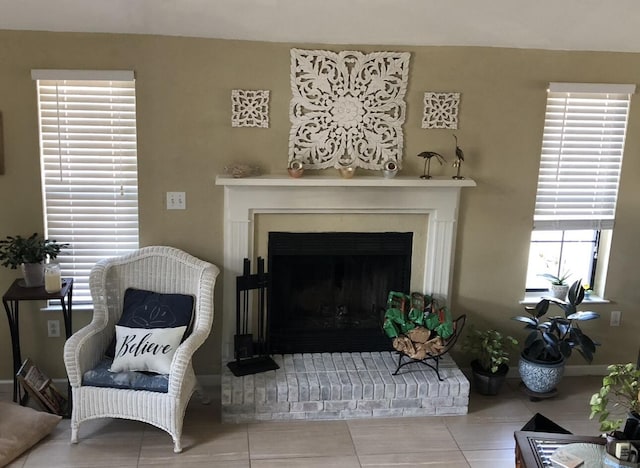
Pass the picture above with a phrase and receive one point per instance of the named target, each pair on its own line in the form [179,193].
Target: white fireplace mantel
[357,181]
[244,198]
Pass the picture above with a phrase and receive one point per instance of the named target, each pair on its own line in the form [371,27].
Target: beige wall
[185,139]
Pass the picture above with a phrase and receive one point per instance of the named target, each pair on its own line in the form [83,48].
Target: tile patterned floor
[481,439]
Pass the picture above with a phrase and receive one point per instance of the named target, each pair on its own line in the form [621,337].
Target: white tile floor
[482,438]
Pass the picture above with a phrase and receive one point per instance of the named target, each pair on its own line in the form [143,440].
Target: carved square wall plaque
[249,108]
[347,108]
[441,110]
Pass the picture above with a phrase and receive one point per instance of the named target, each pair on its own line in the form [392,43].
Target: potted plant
[620,395]
[558,284]
[29,253]
[490,365]
[552,339]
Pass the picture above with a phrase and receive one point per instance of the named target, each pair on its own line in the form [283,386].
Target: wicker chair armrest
[182,360]
[84,349]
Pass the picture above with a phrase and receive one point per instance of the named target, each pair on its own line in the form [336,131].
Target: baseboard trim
[569,371]
[207,380]
[599,370]
[213,380]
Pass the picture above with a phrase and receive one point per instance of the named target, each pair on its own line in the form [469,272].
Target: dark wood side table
[534,448]
[11,300]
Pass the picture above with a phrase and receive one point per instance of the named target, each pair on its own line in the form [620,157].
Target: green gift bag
[396,323]
[445,326]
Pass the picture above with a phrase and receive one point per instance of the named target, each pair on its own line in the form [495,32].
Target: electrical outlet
[616,318]
[176,201]
[53,328]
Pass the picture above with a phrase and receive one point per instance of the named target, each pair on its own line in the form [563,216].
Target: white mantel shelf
[356,181]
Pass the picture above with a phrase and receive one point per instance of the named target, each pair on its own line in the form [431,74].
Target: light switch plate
[176,201]
[53,328]
[616,317]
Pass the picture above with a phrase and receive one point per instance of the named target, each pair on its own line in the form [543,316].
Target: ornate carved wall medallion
[347,108]
[249,108]
[441,110]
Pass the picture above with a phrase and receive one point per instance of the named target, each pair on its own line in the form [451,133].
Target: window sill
[532,298]
[76,308]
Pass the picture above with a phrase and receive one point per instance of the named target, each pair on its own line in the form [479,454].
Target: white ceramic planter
[559,291]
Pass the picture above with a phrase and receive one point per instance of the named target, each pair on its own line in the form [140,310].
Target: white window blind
[89,167]
[582,149]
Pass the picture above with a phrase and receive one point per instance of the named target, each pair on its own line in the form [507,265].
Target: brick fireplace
[340,384]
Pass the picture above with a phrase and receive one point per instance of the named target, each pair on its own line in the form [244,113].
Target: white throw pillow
[146,349]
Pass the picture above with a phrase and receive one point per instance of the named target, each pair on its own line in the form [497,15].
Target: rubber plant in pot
[552,339]
[29,253]
[490,350]
[619,397]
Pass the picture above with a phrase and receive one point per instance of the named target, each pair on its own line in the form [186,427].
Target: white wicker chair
[162,270]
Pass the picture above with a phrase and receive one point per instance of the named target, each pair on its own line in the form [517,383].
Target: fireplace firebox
[328,290]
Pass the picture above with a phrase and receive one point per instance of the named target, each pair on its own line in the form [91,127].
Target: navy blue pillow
[148,309]
[100,376]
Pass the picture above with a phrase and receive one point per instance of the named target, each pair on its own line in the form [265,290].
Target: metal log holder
[251,357]
[458,325]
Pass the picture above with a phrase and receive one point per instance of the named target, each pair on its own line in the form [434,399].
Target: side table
[11,300]
[533,449]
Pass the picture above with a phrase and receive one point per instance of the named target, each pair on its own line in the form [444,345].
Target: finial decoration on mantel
[428,155]
[458,162]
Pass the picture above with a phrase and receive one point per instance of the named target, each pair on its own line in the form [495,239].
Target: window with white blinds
[582,149]
[89,167]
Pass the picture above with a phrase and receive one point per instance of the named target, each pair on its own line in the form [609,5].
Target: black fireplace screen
[328,290]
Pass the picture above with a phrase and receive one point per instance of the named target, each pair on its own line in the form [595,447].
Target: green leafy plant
[15,250]
[489,347]
[553,338]
[619,394]
[556,280]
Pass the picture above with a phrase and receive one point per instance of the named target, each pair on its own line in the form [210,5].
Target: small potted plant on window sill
[552,339]
[490,350]
[558,284]
[29,253]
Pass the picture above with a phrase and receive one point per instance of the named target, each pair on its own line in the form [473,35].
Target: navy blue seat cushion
[148,309]
[131,380]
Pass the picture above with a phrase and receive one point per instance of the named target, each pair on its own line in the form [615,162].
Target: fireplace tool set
[251,357]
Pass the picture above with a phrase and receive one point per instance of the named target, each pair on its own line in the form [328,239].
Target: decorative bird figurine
[458,162]
[427,155]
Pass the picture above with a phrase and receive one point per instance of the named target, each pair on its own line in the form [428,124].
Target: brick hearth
[343,386]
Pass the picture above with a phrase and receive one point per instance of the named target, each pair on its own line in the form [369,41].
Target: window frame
[583,148]
[591,280]
[87,124]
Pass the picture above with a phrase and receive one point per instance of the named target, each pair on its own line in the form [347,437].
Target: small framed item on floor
[40,387]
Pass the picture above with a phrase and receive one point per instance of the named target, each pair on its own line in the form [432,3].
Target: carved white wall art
[249,108]
[441,110]
[347,108]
